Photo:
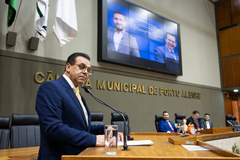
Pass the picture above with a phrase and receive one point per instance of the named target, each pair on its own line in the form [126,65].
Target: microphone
[128,134]
[234,129]
[125,147]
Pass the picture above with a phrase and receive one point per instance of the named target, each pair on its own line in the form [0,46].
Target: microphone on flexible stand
[128,127]
[125,147]
[128,134]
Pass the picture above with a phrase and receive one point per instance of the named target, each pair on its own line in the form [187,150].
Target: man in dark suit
[65,121]
[194,120]
[165,125]
[166,54]
[207,123]
[119,40]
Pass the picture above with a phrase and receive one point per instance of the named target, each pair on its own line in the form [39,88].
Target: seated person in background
[165,125]
[207,123]
[194,120]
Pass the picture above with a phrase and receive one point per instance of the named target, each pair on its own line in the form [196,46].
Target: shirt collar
[69,81]
[169,50]
[120,31]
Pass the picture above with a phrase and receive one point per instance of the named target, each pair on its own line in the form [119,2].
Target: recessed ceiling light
[235,90]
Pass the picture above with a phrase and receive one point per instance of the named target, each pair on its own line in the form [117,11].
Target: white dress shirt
[208,124]
[117,38]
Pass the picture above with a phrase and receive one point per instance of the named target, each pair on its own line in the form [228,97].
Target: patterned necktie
[76,91]
[197,124]
[170,126]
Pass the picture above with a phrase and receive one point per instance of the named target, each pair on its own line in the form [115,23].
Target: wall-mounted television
[131,35]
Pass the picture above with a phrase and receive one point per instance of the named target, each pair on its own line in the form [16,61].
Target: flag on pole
[41,18]
[12,10]
[65,25]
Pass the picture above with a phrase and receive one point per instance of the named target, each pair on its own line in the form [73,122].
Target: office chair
[25,131]
[179,118]
[97,118]
[4,132]
[235,123]
[228,120]
[157,119]
[117,119]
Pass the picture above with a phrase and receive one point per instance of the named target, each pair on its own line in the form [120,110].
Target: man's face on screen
[171,42]
[119,21]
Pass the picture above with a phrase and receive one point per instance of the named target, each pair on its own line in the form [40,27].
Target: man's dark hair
[118,12]
[164,112]
[72,58]
[195,112]
[206,114]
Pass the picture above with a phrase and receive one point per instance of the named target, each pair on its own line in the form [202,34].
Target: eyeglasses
[84,68]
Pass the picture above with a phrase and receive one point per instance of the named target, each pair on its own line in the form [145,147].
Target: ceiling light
[235,90]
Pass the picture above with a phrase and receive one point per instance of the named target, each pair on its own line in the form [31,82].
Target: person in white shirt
[207,123]
[119,40]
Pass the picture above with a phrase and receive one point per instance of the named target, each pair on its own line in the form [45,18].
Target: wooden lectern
[167,146]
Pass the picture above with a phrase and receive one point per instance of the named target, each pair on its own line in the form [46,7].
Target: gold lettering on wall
[152,90]
[88,83]
[169,92]
[125,87]
[39,77]
[50,76]
[120,87]
[101,86]
[109,85]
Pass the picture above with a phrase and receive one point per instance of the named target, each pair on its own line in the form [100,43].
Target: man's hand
[100,140]
[120,136]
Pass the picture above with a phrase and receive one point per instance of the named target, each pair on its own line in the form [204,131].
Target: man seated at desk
[207,123]
[194,120]
[165,125]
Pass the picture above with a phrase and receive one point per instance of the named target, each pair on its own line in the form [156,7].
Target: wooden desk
[217,130]
[160,150]
[19,153]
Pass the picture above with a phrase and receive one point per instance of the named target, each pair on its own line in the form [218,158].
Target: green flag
[12,10]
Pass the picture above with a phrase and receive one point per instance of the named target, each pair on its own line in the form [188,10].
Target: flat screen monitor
[131,35]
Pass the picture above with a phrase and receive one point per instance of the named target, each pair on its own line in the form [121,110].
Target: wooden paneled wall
[229,40]
[228,19]
[223,14]
[228,105]
[228,13]
[231,72]
[235,11]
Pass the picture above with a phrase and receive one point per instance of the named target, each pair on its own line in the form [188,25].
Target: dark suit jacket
[171,60]
[164,127]
[204,125]
[128,44]
[62,123]
[190,119]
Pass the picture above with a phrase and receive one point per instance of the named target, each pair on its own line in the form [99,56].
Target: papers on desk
[194,148]
[137,143]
